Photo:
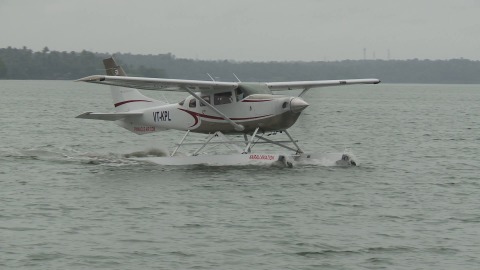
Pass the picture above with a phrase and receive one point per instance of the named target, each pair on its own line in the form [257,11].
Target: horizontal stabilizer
[108,116]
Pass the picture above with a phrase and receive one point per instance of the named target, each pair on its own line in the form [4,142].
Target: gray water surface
[72,199]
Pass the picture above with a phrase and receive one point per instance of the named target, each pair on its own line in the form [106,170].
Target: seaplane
[219,110]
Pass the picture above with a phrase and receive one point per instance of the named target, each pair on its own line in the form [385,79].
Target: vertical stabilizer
[112,69]
[127,99]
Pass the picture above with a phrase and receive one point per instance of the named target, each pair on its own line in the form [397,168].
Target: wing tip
[83,115]
[93,78]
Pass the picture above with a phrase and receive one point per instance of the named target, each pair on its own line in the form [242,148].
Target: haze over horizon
[268,30]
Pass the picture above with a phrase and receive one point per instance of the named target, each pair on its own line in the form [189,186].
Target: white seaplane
[217,109]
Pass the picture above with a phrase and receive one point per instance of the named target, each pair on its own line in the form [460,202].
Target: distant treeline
[25,64]
[46,65]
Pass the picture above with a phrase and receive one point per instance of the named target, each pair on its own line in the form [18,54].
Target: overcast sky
[257,30]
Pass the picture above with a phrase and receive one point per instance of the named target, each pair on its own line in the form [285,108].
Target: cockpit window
[181,102]
[254,88]
[192,103]
[222,98]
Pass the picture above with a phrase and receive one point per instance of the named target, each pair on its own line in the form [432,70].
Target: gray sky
[257,30]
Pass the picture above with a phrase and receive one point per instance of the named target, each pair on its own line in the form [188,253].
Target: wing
[160,84]
[313,84]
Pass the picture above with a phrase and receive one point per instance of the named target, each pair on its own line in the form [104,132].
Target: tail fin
[127,99]
[112,69]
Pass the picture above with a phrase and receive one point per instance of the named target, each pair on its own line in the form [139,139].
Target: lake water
[71,199]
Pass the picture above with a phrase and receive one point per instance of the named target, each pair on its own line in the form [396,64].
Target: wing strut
[304,91]
[235,125]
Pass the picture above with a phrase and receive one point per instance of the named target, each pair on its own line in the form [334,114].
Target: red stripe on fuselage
[256,100]
[196,115]
[129,101]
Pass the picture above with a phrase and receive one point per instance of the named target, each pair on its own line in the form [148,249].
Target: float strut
[248,148]
[181,142]
[299,151]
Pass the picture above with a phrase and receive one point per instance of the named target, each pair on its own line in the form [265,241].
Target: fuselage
[266,111]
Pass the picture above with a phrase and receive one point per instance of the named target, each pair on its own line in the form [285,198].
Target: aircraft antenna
[236,77]
[211,77]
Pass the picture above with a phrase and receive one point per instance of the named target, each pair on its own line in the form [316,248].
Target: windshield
[254,88]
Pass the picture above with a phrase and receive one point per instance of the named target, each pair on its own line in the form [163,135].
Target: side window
[239,94]
[207,99]
[192,103]
[222,98]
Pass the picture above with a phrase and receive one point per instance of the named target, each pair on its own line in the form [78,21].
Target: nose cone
[297,105]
